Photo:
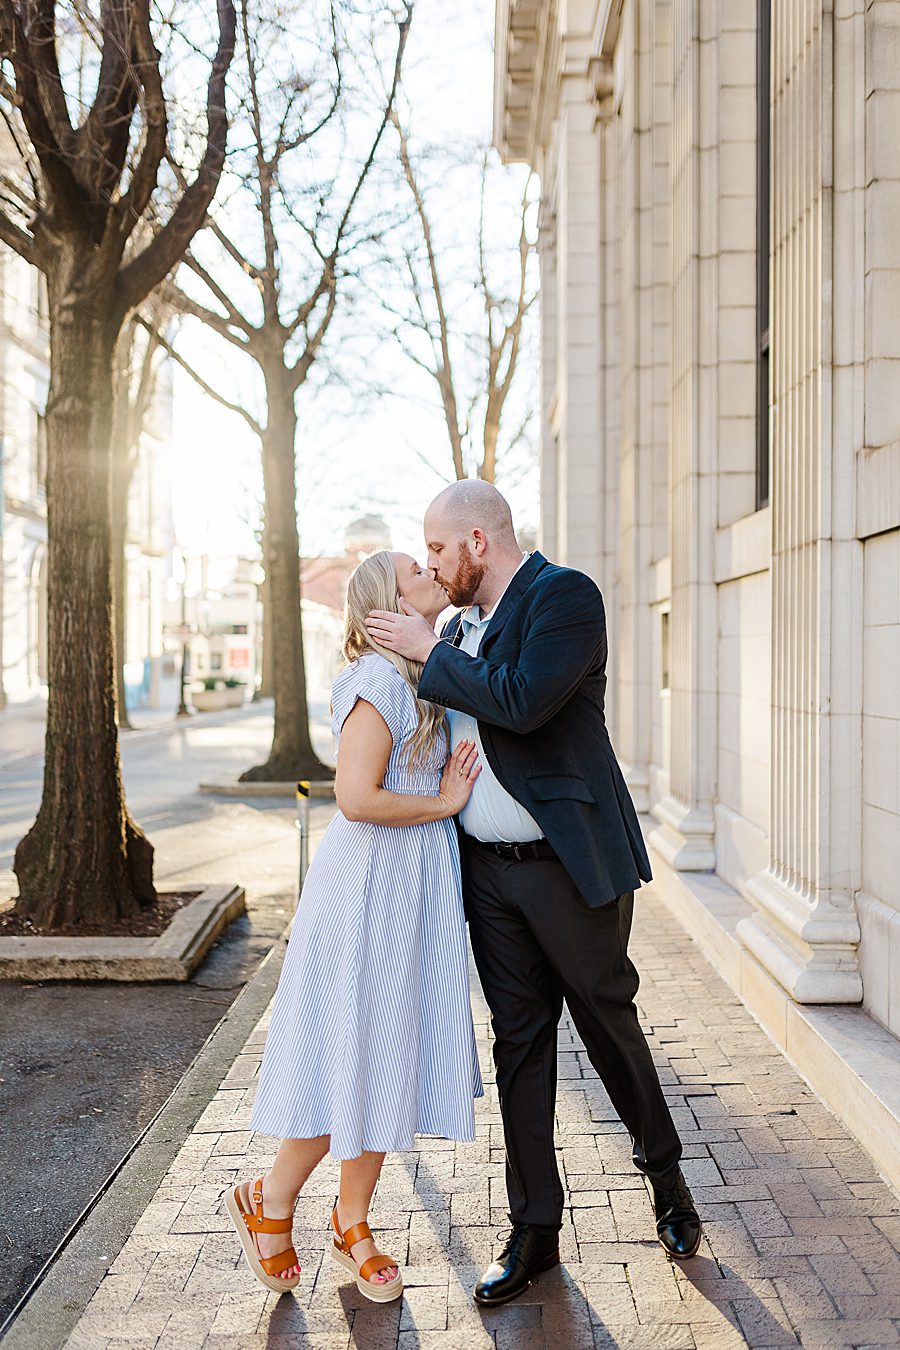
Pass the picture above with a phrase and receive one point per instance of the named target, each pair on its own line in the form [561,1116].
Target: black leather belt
[535,850]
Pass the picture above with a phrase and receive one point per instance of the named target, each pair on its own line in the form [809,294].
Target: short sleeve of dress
[375,680]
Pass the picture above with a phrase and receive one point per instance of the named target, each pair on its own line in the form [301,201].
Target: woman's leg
[294,1164]
[358,1178]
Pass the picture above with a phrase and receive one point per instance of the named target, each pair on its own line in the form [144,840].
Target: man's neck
[496,582]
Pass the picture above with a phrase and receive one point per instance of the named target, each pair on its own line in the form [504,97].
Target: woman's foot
[275,1206]
[361,1251]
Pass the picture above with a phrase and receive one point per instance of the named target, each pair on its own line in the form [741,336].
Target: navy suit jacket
[537,690]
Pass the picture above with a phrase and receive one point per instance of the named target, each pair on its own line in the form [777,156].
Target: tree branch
[50,142]
[147,270]
[443,371]
[234,315]
[387,117]
[200,382]
[16,238]
[186,304]
[132,205]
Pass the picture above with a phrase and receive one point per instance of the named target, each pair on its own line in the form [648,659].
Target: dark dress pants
[536,942]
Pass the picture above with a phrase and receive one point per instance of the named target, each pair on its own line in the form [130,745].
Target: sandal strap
[274,1265]
[257,1222]
[263,1225]
[375,1265]
[360,1232]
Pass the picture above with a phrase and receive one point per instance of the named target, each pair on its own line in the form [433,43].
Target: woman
[371,1040]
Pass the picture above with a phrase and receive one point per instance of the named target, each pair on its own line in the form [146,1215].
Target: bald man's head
[469,533]
[473,504]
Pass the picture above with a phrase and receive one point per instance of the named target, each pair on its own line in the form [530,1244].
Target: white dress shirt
[490,814]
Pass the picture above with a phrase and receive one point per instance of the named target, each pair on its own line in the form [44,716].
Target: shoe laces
[512,1239]
[674,1197]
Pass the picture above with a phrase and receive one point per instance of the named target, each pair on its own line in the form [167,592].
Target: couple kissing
[476,786]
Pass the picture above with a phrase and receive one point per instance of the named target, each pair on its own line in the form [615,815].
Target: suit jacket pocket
[549,787]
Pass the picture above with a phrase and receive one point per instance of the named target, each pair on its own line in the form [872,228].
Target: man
[552,854]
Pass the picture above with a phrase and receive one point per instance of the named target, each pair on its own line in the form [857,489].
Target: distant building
[325,579]
[24,379]
[24,382]
[148,546]
[367,534]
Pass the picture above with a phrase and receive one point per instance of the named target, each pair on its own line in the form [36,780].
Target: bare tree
[302,213]
[87,183]
[473,366]
[137,363]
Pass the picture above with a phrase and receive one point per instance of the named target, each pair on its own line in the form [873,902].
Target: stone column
[575,415]
[685,834]
[641,126]
[805,931]
[547,244]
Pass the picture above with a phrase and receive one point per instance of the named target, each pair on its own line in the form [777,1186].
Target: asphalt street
[84,1068]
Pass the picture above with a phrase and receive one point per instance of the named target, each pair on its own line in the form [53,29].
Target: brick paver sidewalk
[801,1239]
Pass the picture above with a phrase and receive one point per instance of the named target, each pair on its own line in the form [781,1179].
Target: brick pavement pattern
[801,1244]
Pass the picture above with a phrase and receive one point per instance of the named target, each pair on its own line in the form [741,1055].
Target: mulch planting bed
[148,922]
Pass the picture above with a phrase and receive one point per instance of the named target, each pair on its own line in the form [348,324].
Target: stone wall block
[882,402]
[882,46]
[882,139]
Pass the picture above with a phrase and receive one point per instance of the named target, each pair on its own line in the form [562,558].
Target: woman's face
[418,586]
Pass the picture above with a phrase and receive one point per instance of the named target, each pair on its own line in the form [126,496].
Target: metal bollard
[303,827]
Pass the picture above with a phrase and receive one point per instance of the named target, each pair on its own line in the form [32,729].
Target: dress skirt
[371,1038]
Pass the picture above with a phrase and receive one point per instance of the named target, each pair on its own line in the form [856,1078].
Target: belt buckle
[516,853]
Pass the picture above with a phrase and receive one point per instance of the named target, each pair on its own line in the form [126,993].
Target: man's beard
[466,581]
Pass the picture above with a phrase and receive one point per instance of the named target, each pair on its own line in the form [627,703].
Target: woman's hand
[458,778]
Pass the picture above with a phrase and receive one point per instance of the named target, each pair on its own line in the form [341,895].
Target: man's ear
[480,542]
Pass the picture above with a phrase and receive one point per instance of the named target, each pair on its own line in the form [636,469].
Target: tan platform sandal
[248,1223]
[340,1253]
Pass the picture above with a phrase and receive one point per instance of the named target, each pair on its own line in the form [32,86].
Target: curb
[173,955]
[233,787]
[47,1313]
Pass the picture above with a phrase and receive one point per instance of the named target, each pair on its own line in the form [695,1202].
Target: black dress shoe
[677,1220]
[527,1252]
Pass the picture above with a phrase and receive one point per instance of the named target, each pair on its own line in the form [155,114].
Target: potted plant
[213,697]
[234,691]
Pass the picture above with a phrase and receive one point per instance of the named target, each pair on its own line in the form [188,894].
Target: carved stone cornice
[517,74]
[602,79]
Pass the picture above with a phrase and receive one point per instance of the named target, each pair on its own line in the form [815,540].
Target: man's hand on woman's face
[408,634]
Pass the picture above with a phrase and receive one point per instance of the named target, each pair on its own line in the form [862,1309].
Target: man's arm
[566,635]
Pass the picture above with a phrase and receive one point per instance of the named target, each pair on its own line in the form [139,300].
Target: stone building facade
[24,382]
[721,451]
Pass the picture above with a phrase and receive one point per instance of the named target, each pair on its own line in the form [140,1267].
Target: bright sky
[387,456]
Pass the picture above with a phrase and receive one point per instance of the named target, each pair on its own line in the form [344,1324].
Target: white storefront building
[24,381]
[720,260]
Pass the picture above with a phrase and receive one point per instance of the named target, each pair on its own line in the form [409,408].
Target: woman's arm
[365,749]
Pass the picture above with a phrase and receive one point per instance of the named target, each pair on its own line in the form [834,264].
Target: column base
[807,945]
[685,836]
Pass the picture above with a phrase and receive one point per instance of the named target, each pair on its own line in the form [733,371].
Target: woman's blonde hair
[373,585]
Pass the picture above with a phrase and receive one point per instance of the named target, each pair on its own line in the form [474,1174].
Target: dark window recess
[763,202]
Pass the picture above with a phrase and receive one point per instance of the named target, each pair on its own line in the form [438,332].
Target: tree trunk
[267,679]
[488,467]
[292,755]
[122,471]
[84,861]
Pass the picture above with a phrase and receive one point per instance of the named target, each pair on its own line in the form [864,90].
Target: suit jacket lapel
[516,588]
[452,630]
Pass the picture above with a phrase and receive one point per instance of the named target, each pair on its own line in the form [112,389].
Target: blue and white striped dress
[371,1039]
